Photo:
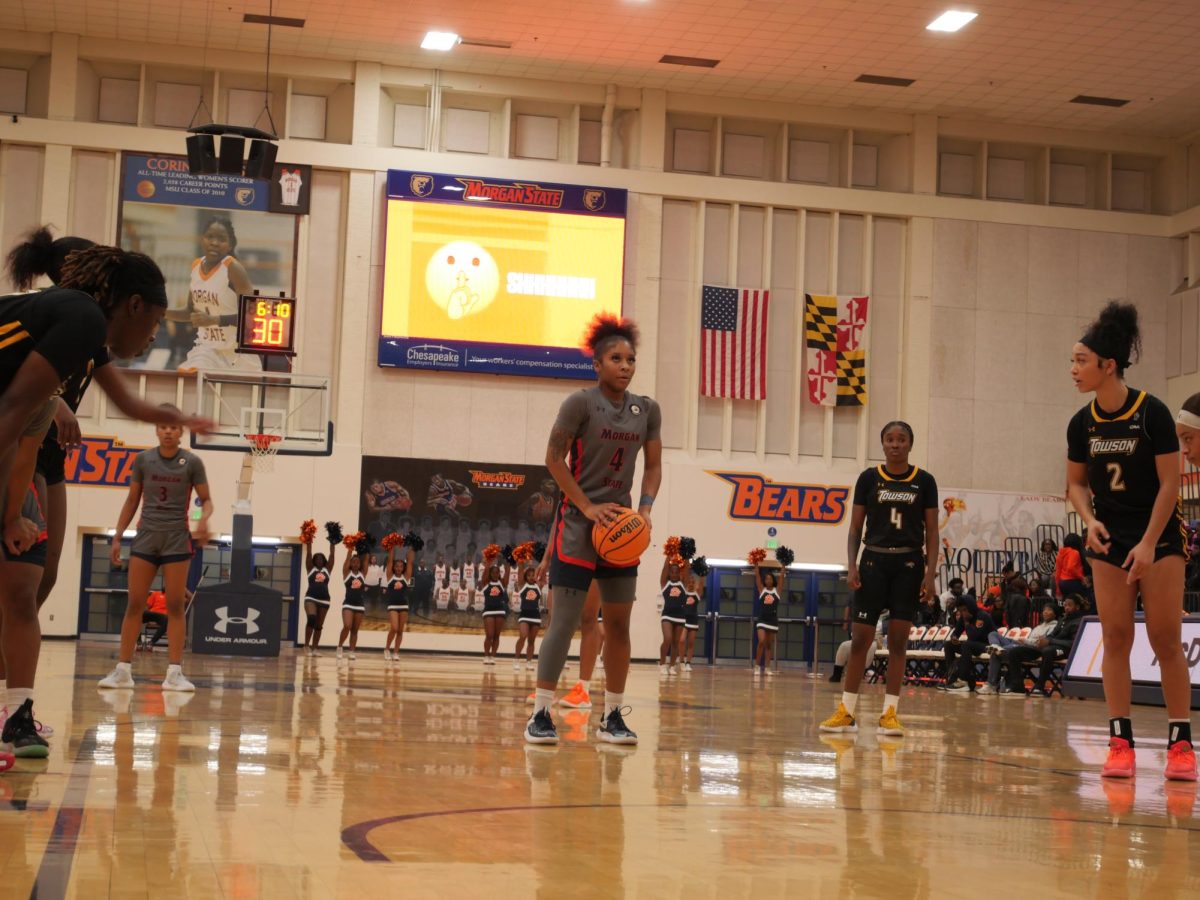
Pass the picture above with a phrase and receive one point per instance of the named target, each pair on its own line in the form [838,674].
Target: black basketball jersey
[1119,449]
[896,506]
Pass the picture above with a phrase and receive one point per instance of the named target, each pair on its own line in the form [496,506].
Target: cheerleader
[529,617]
[691,610]
[768,589]
[1123,480]
[398,583]
[495,608]
[898,503]
[354,606]
[673,617]
[316,595]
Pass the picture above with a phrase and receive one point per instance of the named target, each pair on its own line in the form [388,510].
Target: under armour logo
[224,619]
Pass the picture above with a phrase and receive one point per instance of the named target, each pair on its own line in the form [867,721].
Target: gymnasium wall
[975,306]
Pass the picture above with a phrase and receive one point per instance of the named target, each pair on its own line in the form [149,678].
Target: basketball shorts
[574,563]
[162,547]
[52,462]
[34,556]
[1125,534]
[890,581]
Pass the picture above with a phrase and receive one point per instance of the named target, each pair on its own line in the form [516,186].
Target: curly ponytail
[1115,335]
[112,275]
[40,254]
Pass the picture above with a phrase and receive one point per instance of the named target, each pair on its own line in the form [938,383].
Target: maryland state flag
[835,331]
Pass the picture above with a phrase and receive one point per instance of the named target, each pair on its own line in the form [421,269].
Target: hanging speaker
[233,152]
[260,163]
[201,154]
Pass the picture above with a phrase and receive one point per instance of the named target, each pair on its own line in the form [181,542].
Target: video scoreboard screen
[487,275]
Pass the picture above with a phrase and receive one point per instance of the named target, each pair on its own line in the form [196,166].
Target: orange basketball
[623,541]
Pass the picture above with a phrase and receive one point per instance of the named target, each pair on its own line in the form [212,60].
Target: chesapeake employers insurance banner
[487,275]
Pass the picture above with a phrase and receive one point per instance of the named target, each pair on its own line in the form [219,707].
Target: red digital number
[267,332]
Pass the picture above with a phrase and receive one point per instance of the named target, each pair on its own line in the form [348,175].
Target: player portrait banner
[457,508]
[214,237]
[733,342]
[835,330]
[982,530]
[503,277]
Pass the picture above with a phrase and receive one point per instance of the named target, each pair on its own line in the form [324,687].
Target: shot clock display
[266,325]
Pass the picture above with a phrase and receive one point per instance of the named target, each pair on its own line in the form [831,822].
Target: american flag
[733,343]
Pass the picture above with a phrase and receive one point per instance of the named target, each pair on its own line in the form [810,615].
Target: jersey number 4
[618,460]
[897,518]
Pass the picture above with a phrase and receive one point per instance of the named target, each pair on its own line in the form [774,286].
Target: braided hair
[112,275]
[40,254]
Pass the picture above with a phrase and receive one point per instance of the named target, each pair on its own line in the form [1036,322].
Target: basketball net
[262,448]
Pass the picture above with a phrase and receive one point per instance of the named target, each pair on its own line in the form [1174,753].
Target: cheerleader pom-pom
[687,547]
[507,553]
[350,541]
[522,553]
[490,552]
[700,566]
[364,545]
[785,556]
[671,547]
[757,555]
[539,551]
[333,530]
[308,531]
[390,541]
[414,540]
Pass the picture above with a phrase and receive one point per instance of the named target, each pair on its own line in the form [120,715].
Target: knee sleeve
[310,620]
[556,643]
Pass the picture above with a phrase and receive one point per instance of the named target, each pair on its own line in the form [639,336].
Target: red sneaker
[1121,760]
[1181,762]
[576,698]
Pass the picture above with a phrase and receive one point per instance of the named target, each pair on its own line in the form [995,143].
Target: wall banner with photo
[457,508]
[214,237]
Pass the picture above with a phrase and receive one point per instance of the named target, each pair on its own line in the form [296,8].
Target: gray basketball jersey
[166,487]
[607,440]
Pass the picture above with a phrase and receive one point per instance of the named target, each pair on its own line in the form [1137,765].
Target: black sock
[1122,728]
[1179,730]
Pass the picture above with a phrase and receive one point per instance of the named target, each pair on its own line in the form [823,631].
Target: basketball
[623,541]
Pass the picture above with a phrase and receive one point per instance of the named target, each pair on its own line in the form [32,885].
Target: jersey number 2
[618,460]
[897,519]
[1116,481]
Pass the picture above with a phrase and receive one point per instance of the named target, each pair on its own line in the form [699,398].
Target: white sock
[17,696]
[128,667]
[586,685]
[544,699]
[892,700]
[850,701]
[613,701]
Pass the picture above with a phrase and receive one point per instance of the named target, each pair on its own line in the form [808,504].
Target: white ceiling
[1019,62]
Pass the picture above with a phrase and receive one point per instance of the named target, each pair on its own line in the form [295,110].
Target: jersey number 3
[897,518]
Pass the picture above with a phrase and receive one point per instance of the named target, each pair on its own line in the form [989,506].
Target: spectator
[1045,561]
[1049,648]
[1068,568]
[951,597]
[374,578]
[156,614]
[930,613]
[1016,603]
[843,651]
[967,640]
[997,608]
[999,646]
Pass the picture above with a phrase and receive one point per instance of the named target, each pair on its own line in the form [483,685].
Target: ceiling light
[1097,101]
[697,61]
[439,40]
[889,80]
[950,20]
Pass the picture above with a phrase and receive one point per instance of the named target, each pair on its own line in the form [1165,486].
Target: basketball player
[1123,480]
[354,606]
[399,580]
[216,282]
[40,254]
[162,483]
[672,618]
[316,596]
[601,429]
[495,608]
[899,504]
[529,616]
[691,614]
[768,587]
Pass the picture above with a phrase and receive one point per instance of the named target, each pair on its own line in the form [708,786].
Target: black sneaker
[20,732]
[540,728]
[614,730]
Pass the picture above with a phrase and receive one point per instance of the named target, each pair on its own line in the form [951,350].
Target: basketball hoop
[262,448]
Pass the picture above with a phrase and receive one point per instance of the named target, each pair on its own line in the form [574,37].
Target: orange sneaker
[577,698]
[1121,760]
[1181,762]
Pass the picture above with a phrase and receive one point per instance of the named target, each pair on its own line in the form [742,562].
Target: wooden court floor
[291,779]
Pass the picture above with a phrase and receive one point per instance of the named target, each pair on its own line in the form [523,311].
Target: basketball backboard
[292,409]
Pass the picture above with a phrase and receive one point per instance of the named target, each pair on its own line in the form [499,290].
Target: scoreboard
[266,325]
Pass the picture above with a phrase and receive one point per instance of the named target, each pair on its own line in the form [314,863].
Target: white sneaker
[985,689]
[352,656]
[516,665]
[307,650]
[770,673]
[314,651]
[687,667]
[662,669]
[118,678]
[339,652]
[175,681]
[531,665]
